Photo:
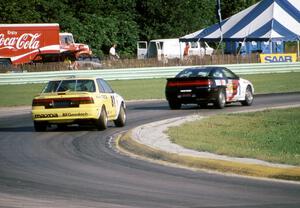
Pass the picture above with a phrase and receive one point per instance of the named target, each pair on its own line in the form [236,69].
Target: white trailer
[170,49]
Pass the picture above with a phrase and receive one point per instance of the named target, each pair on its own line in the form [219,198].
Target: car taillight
[41,102]
[171,84]
[71,102]
[209,83]
[83,100]
[188,83]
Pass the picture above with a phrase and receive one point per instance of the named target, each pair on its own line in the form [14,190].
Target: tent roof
[264,21]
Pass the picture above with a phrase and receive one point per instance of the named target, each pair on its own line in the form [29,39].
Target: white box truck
[170,49]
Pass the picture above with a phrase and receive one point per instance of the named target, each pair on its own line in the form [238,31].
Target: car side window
[217,74]
[229,74]
[105,86]
[101,89]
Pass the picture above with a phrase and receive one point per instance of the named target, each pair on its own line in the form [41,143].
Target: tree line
[100,23]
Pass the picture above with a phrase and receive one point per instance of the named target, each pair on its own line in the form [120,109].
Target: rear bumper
[201,96]
[64,115]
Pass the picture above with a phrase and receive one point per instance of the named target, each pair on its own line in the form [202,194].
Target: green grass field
[271,135]
[16,95]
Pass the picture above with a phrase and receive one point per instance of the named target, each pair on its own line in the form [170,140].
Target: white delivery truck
[170,48]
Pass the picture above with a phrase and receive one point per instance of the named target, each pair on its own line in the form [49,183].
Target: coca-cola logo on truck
[24,41]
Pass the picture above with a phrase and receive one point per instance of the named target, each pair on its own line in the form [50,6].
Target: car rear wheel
[221,100]
[121,120]
[248,97]
[101,122]
[40,126]
[173,104]
[203,105]
[61,126]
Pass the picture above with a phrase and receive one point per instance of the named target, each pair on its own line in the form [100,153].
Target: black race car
[203,85]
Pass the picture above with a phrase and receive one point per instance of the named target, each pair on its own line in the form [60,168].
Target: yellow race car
[78,101]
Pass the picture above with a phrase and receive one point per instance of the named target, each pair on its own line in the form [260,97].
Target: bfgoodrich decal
[74,114]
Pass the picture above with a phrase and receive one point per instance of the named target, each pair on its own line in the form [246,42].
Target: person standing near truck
[186,49]
[112,53]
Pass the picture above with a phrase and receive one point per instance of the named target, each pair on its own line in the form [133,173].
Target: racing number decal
[235,86]
[232,89]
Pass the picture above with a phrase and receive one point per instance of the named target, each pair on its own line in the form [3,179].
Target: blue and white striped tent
[267,20]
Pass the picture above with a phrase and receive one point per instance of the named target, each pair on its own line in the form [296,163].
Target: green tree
[231,7]
[172,18]
[18,11]
[104,22]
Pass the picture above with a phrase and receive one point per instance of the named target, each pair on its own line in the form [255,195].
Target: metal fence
[140,73]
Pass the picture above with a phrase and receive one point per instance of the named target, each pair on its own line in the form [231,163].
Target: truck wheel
[174,104]
[40,126]
[221,100]
[248,97]
[101,122]
[121,120]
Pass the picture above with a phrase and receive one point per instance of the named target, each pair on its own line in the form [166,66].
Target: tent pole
[239,51]
[220,44]
[298,49]
[181,55]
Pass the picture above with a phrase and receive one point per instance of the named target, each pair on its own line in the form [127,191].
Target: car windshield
[83,85]
[193,72]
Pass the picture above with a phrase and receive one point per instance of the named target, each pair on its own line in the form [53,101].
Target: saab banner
[274,58]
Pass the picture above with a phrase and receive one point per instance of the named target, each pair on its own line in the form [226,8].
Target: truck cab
[66,39]
[68,46]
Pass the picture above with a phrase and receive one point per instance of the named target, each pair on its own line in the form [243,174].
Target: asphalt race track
[76,167]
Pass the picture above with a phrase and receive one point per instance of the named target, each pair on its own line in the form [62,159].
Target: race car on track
[78,101]
[203,85]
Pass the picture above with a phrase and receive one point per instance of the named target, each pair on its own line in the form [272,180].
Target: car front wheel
[121,120]
[248,97]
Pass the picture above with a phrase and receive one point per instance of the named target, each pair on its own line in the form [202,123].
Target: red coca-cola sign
[24,41]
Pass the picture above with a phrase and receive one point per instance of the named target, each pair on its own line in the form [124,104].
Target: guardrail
[140,73]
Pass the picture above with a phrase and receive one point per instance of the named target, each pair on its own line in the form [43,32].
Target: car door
[232,85]
[159,46]
[110,100]
[142,47]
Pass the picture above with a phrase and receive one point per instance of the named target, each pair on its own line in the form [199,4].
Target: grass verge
[271,135]
[275,83]
[16,95]
[127,144]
